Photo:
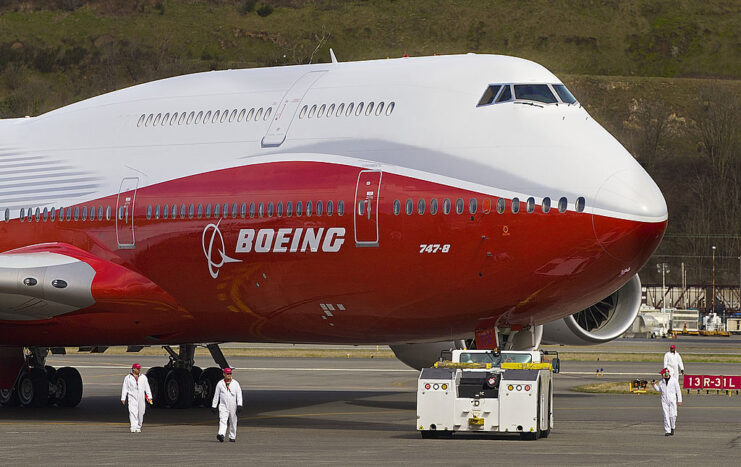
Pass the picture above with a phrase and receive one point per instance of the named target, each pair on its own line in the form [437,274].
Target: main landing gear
[40,385]
[180,384]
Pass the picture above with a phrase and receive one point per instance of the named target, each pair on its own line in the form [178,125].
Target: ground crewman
[228,397]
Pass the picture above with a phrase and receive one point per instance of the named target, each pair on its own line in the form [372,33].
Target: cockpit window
[490,94]
[564,94]
[534,92]
[506,94]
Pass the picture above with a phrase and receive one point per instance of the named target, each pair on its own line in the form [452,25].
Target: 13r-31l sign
[712,382]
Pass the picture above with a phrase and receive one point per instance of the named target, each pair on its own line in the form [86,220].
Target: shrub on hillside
[246,6]
[264,10]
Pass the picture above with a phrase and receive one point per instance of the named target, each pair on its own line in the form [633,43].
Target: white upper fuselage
[436,132]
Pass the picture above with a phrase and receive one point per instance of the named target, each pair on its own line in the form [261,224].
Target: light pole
[713,311]
[663,268]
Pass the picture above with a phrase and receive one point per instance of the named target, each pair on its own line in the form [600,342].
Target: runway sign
[712,382]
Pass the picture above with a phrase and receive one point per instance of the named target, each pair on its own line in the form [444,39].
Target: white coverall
[670,395]
[228,399]
[674,362]
[136,390]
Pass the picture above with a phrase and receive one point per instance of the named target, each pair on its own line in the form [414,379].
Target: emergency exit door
[367,192]
[125,213]
[286,110]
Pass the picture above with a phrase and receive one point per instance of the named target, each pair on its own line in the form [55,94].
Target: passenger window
[369,110]
[530,205]
[241,115]
[299,209]
[267,113]
[390,108]
[165,119]
[580,203]
[173,119]
[515,205]
[149,212]
[330,110]
[141,120]
[330,208]
[361,207]
[69,214]
[410,207]
[341,208]
[564,94]
[208,211]
[199,211]
[191,116]
[7,214]
[157,120]
[233,115]
[252,210]
[489,95]
[506,94]
[350,106]
[546,206]
[562,204]
[183,211]
[100,213]
[181,119]
[77,213]
[270,209]
[174,214]
[258,114]
[224,116]
[359,109]
[534,92]
[446,206]
[312,111]
[22,216]
[243,210]
[459,206]
[279,210]
[217,211]
[206,118]
[45,214]
[421,206]
[191,211]
[199,116]
[379,109]
[321,110]
[308,208]
[216,117]
[289,209]
[83,213]
[261,210]
[501,205]
[234,211]
[472,206]
[319,208]
[433,206]
[340,109]
[252,112]
[156,212]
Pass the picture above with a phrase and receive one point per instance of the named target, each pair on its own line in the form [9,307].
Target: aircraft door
[125,213]
[365,210]
[287,108]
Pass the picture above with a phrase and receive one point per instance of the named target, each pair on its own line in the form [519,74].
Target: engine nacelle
[425,355]
[602,322]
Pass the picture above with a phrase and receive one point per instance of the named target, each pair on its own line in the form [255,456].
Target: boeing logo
[214,264]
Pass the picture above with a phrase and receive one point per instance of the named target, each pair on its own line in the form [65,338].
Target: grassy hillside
[664,76]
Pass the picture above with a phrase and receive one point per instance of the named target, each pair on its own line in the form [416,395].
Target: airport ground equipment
[638,386]
[486,397]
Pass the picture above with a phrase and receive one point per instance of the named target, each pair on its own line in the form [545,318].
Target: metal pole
[713,311]
[684,286]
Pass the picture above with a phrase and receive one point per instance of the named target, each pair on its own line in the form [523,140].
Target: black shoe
[220,438]
[232,440]
[672,431]
[665,434]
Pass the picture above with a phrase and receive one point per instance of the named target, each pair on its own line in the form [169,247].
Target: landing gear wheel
[68,384]
[179,388]
[156,378]
[51,373]
[9,397]
[33,388]
[209,379]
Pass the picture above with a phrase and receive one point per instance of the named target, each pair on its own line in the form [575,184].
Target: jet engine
[602,322]
[420,356]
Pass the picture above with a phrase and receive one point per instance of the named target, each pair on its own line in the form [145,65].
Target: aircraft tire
[69,384]
[156,378]
[209,379]
[179,388]
[33,388]
[9,397]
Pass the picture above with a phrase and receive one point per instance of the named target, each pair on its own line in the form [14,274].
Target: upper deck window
[564,94]
[534,92]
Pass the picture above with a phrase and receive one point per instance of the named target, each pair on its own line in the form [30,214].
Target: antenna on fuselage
[331,54]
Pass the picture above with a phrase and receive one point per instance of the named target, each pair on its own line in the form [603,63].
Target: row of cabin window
[62,214]
[216,116]
[473,205]
[319,112]
[253,210]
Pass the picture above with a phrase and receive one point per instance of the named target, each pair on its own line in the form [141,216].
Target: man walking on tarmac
[671,397]
[136,388]
[673,361]
[228,396]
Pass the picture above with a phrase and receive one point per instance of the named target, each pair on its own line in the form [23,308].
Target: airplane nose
[630,216]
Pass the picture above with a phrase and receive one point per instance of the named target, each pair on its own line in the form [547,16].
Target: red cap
[664,371]
[672,346]
[136,366]
[227,371]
